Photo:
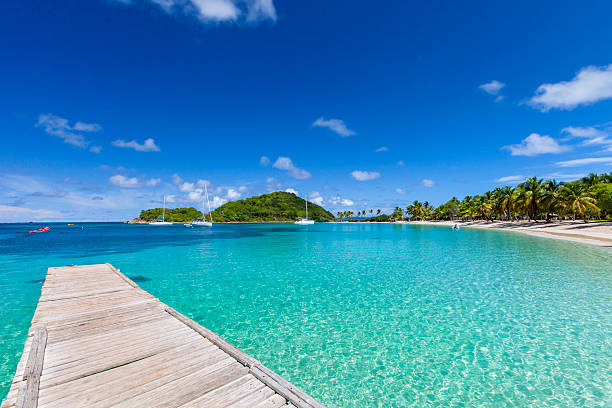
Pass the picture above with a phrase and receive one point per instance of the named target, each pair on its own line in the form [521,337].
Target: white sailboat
[305,221]
[162,220]
[202,221]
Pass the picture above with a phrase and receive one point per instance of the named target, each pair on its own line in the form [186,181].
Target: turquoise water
[360,315]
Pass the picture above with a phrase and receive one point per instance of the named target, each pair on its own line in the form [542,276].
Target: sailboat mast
[209,213]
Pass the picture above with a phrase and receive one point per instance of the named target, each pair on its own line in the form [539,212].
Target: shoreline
[598,234]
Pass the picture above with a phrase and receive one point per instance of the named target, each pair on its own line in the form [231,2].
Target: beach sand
[599,233]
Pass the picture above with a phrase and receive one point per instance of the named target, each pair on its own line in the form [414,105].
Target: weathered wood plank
[28,391]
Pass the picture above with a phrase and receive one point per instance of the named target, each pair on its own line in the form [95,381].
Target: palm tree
[529,197]
[550,197]
[339,214]
[576,199]
[378,212]
[506,200]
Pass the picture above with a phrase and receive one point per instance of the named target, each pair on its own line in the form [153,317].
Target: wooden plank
[254,398]
[275,401]
[28,392]
[228,393]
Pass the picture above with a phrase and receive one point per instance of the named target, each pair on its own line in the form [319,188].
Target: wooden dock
[98,340]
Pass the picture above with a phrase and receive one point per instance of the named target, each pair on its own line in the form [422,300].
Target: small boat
[202,222]
[455,227]
[305,221]
[188,225]
[70,224]
[162,220]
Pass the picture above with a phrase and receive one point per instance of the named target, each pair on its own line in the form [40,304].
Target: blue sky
[107,105]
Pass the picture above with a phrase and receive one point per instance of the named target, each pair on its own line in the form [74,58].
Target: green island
[186,214]
[274,207]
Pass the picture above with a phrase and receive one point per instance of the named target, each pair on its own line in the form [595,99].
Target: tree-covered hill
[172,214]
[278,206]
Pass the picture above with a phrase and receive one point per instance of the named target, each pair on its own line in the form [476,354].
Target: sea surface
[359,315]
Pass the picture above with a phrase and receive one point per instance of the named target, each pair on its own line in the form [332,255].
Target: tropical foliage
[172,214]
[278,206]
[534,199]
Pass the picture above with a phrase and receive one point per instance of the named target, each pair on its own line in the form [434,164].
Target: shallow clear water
[359,315]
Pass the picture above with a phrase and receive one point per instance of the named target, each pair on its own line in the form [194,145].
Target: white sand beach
[599,233]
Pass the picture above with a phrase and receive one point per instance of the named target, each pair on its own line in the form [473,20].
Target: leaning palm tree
[577,200]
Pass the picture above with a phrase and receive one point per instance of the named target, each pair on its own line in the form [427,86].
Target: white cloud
[493,87]
[336,125]
[233,194]
[261,10]
[285,163]
[316,198]
[153,182]
[566,177]
[400,163]
[124,182]
[220,10]
[176,179]
[535,144]
[217,202]
[292,191]
[428,183]
[509,179]
[87,127]
[400,190]
[362,175]
[186,187]
[592,135]
[60,127]
[148,145]
[242,189]
[337,200]
[270,180]
[592,84]
[264,161]
[588,132]
[9,213]
[201,183]
[381,149]
[584,162]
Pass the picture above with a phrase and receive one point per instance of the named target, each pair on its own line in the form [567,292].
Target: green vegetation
[278,206]
[172,214]
[534,199]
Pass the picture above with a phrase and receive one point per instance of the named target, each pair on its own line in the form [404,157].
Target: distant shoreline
[598,234]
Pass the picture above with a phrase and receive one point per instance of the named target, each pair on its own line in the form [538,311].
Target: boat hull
[304,222]
[202,224]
